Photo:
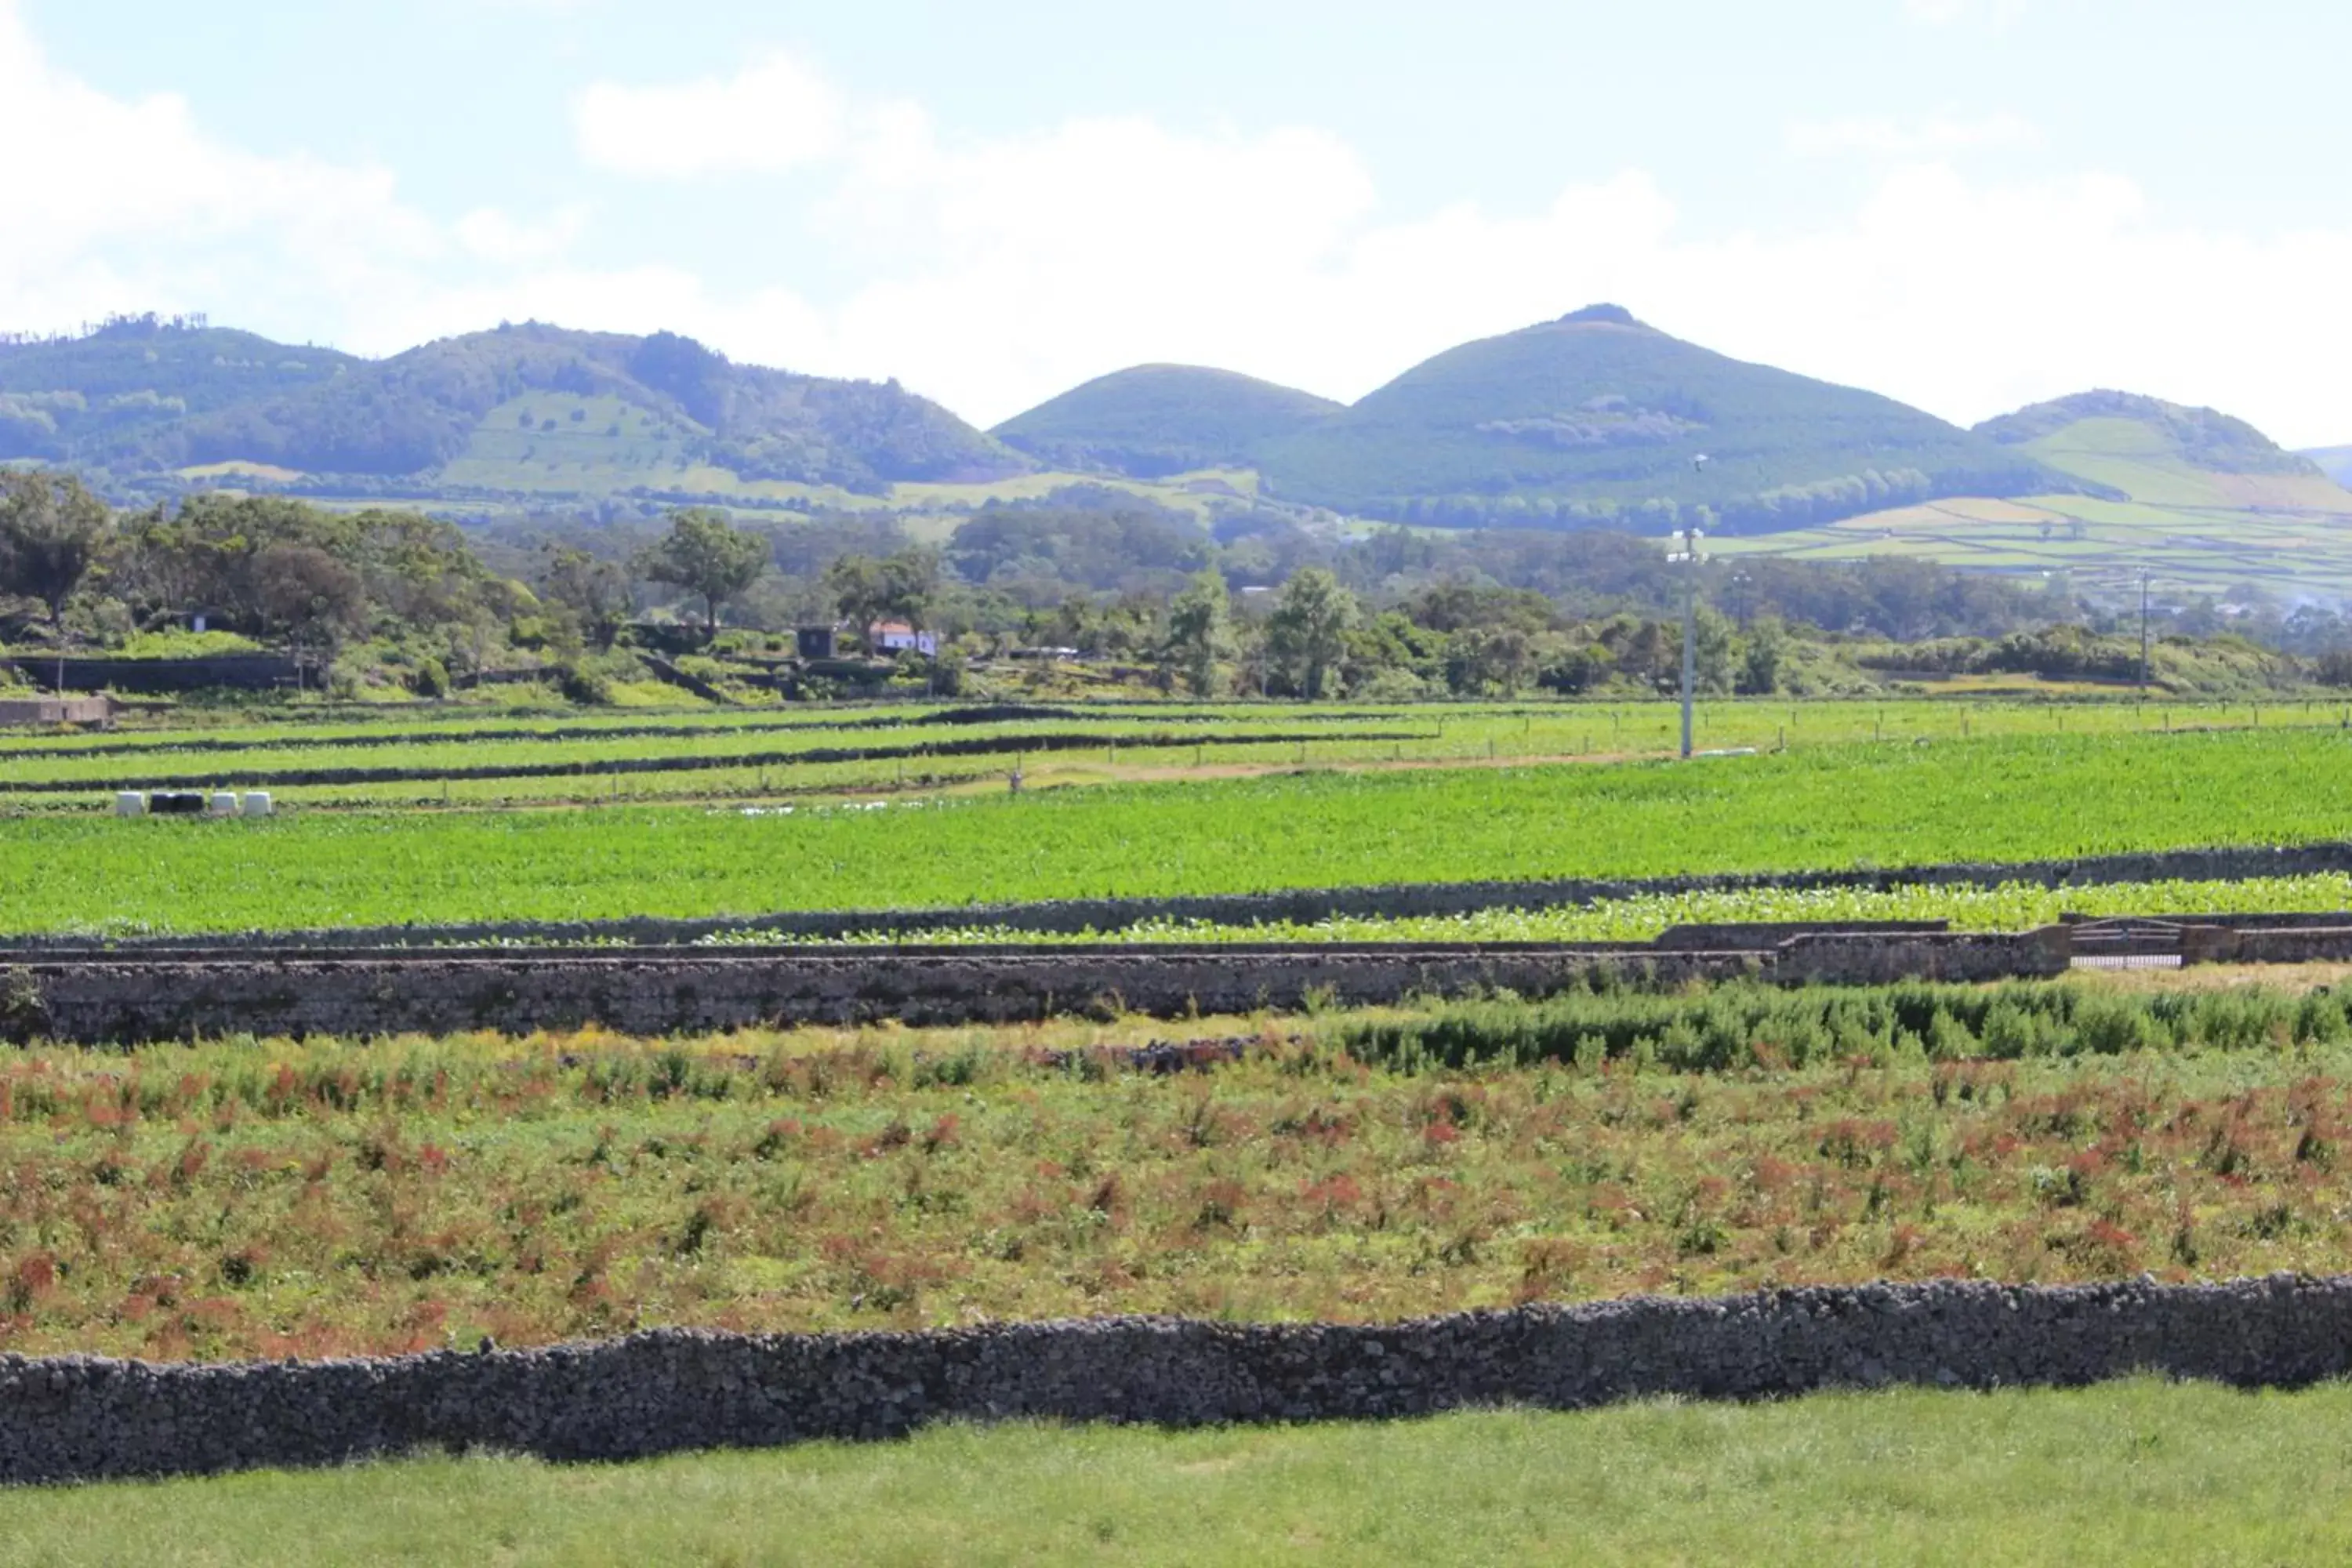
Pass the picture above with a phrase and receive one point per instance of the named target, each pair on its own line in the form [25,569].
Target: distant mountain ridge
[1592,419]
[144,397]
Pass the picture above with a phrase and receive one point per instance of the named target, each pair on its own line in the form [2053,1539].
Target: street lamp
[1687,555]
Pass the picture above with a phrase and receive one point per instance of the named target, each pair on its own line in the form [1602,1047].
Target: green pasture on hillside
[1890,805]
[2135,1472]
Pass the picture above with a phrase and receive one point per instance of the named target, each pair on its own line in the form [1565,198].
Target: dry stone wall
[130,999]
[78,1418]
[127,999]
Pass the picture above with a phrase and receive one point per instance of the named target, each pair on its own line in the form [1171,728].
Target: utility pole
[2143,634]
[1687,555]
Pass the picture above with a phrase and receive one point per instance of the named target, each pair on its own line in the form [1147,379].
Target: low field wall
[242,671]
[1304,905]
[129,998]
[80,1419]
[102,1000]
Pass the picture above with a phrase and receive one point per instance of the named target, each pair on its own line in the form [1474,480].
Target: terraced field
[242,1197]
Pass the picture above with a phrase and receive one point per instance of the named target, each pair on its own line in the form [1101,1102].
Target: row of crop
[2004,906]
[417,724]
[1740,1026]
[260,738]
[738,741]
[637,756]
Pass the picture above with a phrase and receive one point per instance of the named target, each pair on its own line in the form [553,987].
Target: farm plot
[521,763]
[740,757]
[1991,800]
[239,1200]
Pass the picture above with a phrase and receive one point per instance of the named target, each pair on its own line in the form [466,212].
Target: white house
[897,637]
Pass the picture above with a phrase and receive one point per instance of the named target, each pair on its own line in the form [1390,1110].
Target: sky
[1969,205]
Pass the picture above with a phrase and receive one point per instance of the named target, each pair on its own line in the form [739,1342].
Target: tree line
[1248,601]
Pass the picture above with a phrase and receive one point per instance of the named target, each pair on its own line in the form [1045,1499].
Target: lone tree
[52,531]
[1199,632]
[1309,630]
[708,557]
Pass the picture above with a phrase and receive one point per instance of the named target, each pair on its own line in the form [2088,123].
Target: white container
[257,803]
[130,803]
[224,803]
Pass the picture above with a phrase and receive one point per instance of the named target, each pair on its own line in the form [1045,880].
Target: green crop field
[2012,798]
[441,759]
[2130,1473]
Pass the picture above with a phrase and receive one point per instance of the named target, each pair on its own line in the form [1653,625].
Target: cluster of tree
[267,568]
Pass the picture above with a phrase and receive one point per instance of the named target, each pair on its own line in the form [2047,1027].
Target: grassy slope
[1159,420]
[1762,428]
[2135,1472]
[1998,799]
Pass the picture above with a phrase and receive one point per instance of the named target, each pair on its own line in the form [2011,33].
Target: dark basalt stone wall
[78,1418]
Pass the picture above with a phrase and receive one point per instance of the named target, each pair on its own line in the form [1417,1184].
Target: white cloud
[1897,139]
[130,205]
[498,236]
[775,115]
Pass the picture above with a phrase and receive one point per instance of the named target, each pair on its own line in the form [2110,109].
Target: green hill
[2164,454]
[1161,419]
[529,409]
[1597,418]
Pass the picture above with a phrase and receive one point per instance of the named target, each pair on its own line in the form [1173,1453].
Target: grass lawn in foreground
[2135,1472]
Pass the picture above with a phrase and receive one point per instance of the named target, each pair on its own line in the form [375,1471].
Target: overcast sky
[1966,204]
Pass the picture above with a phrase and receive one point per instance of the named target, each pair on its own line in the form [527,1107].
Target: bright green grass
[2135,1472]
[1999,800]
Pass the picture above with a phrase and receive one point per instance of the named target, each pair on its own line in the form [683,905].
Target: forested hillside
[528,407]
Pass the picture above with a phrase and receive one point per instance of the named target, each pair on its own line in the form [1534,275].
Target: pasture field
[2193,541]
[2005,799]
[2126,1473]
[270,1198]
